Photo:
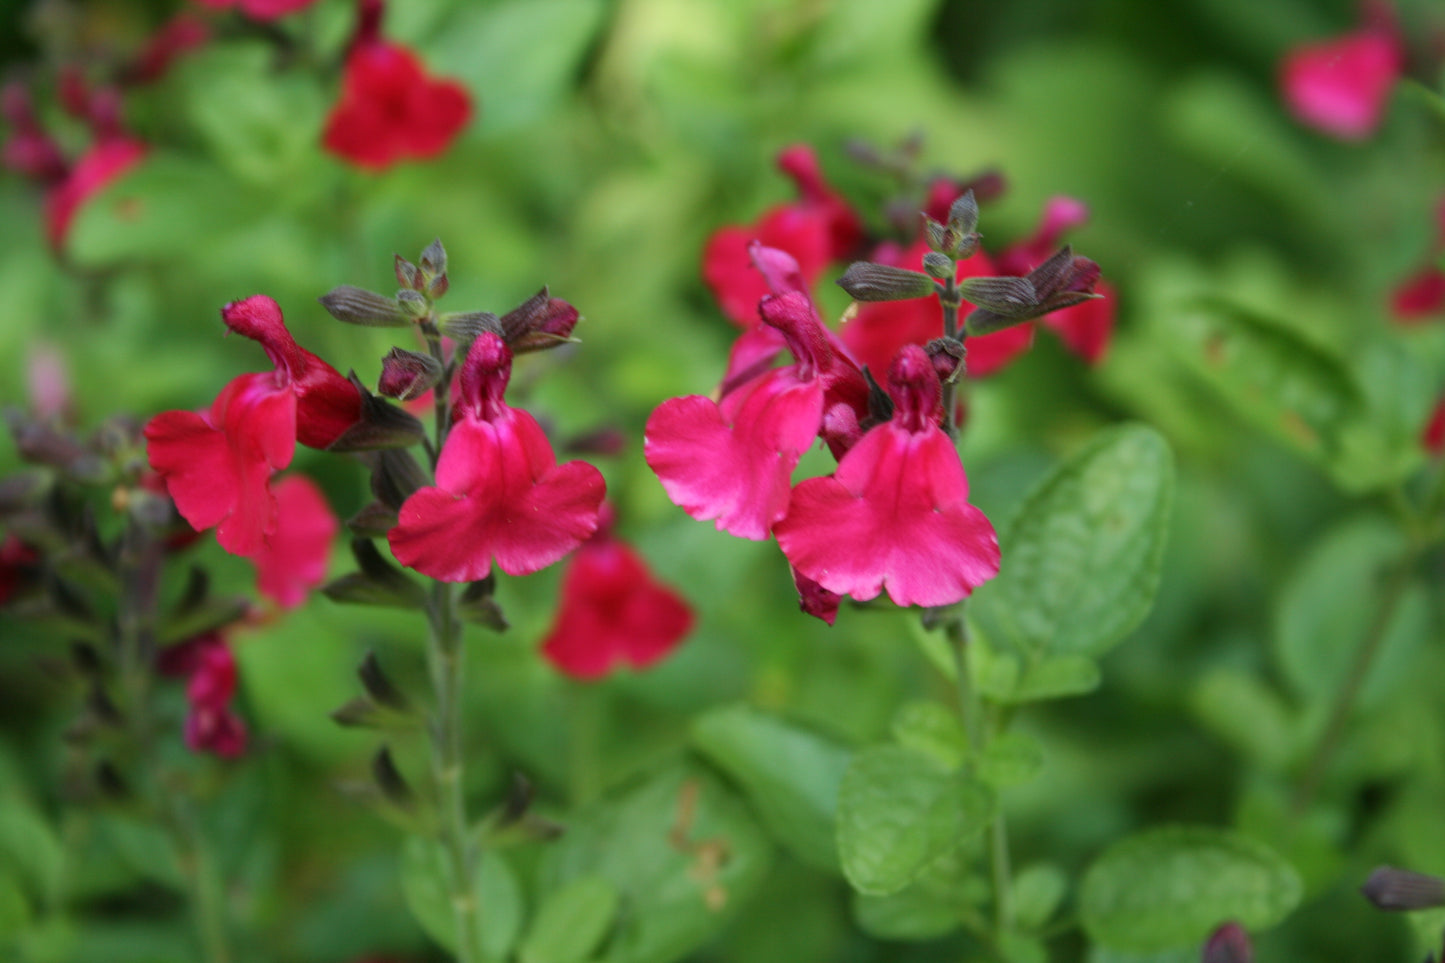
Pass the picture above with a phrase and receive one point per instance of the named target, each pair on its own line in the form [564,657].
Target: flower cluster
[32,151]
[209,668]
[390,110]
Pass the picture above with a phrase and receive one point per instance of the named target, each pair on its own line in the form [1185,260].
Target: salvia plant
[448,625]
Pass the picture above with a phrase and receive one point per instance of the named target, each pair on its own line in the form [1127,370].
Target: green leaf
[158,211]
[425,884]
[30,851]
[1172,886]
[682,850]
[1296,390]
[1037,893]
[1011,759]
[931,906]
[931,729]
[258,122]
[898,811]
[1333,600]
[790,775]
[1248,714]
[571,921]
[1429,99]
[518,57]
[1081,558]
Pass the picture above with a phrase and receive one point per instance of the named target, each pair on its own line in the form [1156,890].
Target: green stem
[950,299]
[207,895]
[445,660]
[1349,690]
[1002,877]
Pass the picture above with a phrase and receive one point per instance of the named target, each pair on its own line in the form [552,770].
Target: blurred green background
[612,138]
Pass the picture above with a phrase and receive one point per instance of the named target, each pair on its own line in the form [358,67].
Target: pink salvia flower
[500,494]
[895,515]
[613,612]
[733,460]
[1341,86]
[1085,328]
[292,561]
[390,110]
[217,464]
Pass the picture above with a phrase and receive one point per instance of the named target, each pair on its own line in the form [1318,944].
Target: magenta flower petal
[895,515]
[1341,86]
[613,612]
[500,494]
[217,464]
[103,163]
[293,560]
[734,462]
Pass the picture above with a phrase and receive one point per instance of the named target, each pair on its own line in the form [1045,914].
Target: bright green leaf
[899,810]
[1037,892]
[1010,759]
[1081,558]
[1172,886]
[933,730]
[29,850]
[571,921]
[1247,714]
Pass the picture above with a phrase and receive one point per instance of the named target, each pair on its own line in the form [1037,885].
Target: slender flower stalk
[446,663]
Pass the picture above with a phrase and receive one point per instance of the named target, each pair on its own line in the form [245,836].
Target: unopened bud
[1400,889]
[939,266]
[413,303]
[408,275]
[434,258]
[963,215]
[439,286]
[466,328]
[408,374]
[355,305]
[1228,944]
[539,322]
[947,355]
[866,281]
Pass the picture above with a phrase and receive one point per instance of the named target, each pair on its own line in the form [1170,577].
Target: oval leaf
[424,882]
[1172,886]
[1081,558]
[898,811]
[571,921]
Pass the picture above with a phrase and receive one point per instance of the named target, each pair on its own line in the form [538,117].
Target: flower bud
[434,258]
[1400,889]
[866,281]
[355,305]
[1062,281]
[408,275]
[1228,944]
[408,374]
[413,303]
[439,286]
[466,328]
[947,355]
[538,323]
[939,266]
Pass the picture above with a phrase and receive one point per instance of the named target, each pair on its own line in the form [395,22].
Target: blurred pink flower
[1340,86]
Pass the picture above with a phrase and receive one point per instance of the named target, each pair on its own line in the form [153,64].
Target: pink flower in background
[259,9]
[1341,86]
[178,36]
[292,561]
[390,110]
[106,161]
[217,464]
[613,612]
[895,515]
[209,668]
[500,494]
[815,230]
